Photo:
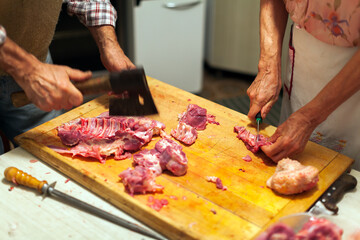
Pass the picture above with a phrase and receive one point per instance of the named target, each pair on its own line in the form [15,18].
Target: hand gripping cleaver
[128,90]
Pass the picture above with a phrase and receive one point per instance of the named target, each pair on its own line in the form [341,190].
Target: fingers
[77,75]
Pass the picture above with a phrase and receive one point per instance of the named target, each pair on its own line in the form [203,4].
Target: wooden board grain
[197,209]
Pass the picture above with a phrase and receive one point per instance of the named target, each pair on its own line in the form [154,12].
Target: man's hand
[290,138]
[264,91]
[111,54]
[48,86]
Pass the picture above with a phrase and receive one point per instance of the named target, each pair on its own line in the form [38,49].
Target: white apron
[311,65]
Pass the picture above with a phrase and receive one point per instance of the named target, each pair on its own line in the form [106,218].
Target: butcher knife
[19,177]
[129,92]
[327,202]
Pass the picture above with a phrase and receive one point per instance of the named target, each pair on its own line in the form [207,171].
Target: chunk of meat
[106,135]
[140,180]
[250,139]
[197,117]
[149,159]
[194,119]
[185,133]
[172,157]
[167,155]
[278,231]
[319,228]
[291,177]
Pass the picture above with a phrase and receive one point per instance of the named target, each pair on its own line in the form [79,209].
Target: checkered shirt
[92,12]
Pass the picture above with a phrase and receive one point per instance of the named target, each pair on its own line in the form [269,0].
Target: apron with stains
[311,65]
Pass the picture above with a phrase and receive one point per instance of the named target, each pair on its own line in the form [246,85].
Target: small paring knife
[19,177]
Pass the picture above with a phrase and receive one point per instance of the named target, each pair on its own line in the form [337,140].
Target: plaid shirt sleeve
[92,12]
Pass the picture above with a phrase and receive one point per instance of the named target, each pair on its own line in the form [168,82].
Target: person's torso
[30,23]
[333,22]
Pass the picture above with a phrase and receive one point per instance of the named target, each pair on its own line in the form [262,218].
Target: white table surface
[26,215]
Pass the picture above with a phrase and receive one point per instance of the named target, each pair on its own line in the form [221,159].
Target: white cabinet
[169,41]
[232,36]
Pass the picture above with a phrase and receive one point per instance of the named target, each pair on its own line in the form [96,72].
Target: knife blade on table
[17,176]
[132,96]
[326,204]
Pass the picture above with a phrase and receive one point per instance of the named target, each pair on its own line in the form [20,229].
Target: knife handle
[337,190]
[88,87]
[19,177]
[258,117]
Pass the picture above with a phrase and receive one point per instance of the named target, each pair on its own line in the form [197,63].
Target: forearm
[345,84]
[16,61]
[105,37]
[273,19]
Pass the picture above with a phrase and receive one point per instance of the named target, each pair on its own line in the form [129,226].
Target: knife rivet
[329,194]
[323,200]
[333,188]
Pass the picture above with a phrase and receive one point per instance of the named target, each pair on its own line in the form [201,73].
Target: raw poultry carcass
[292,177]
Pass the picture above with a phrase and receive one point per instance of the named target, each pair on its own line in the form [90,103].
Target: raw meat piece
[319,228]
[291,177]
[172,157]
[149,159]
[167,155]
[194,119]
[140,180]
[197,117]
[106,135]
[157,204]
[278,231]
[313,229]
[184,133]
[247,158]
[250,139]
[217,181]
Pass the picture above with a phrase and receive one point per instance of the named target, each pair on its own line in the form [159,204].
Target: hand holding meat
[290,138]
[49,87]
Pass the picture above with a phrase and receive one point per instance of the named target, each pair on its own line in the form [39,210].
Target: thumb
[78,75]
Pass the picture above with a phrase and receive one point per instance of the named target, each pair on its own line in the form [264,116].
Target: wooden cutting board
[196,209]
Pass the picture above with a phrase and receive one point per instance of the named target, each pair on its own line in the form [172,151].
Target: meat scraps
[194,119]
[315,228]
[250,139]
[167,155]
[106,135]
[217,181]
[291,177]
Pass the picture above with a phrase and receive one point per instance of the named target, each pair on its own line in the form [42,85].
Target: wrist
[16,61]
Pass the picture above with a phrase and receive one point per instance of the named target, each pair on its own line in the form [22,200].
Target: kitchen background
[207,47]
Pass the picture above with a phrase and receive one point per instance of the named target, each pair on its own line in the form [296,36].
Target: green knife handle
[258,117]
